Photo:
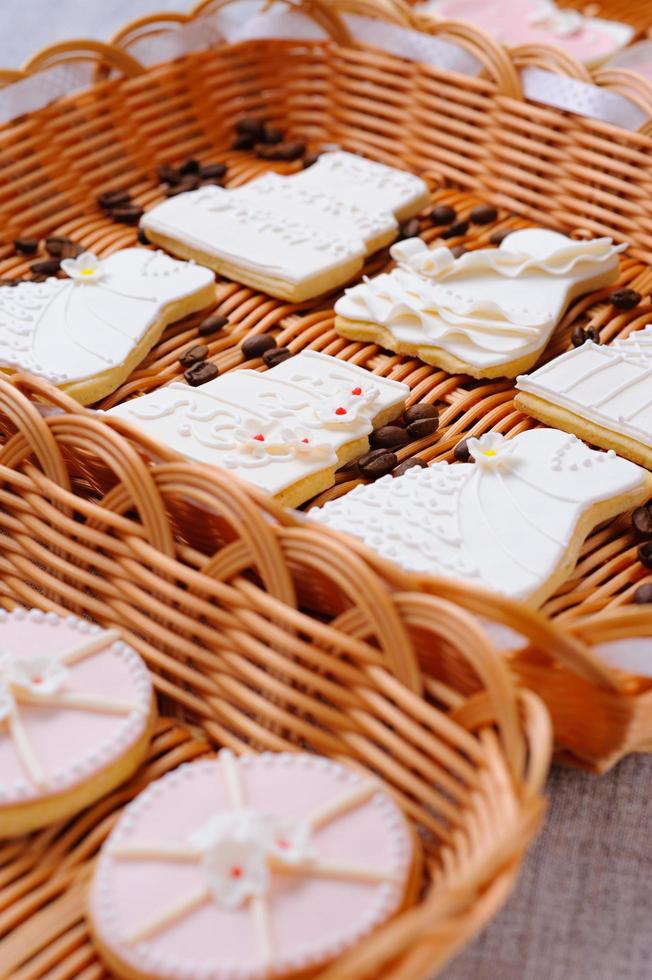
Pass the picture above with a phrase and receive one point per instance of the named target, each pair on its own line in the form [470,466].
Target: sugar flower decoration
[347,406]
[85,268]
[33,676]
[253,437]
[491,451]
[291,841]
[414,254]
[563,23]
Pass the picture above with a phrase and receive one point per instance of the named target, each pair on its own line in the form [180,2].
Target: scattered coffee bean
[189,183]
[409,464]
[484,214]
[200,373]
[142,237]
[409,229]
[243,142]
[422,427]
[645,554]
[272,135]
[578,336]
[276,355]
[417,412]
[388,437]
[251,126]
[129,214]
[461,452]
[458,251]
[309,159]
[498,237]
[643,594]
[193,355]
[291,150]
[593,335]
[443,214]
[168,175]
[8,282]
[625,299]
[36,277]
[55,245]
[190,166]
[71,250]
[213,171]
[212,324]
[642,522]
[460,228]
[113,199]
[46,267]
[377,463]
[26,246]
[257,345]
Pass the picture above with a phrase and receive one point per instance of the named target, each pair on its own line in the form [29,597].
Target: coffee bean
[276,355]
[484,214]
[458,251]
[291,150]
[189,166]
[388,437]
[417,412]
[309,159]
[643,594]
[193,355]
[645,554]
[257,345]
[113,199]
[243,142]
[378,463]
[55,245]
[422,427]
[251,126]
[129,214]
[593,335]
[142,237]
[272,135]
[200,373]
[578,336]
[443,214]
[168,175]
[498,237]
[46,267]
[189,183]
[409,464]
[461,452]
[37,277]
[71,251]
[213,171]
[642,522]
[409,229]
[8,282]
[212,324]
[455,230]
[625,299]
[26,246]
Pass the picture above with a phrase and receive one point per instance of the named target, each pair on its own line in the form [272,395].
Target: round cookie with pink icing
[250,867]
[76,712]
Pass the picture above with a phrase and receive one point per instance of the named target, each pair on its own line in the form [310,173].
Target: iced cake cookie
[513,520]
[87,332]
[590,40]
[260,866]
[285,430]
[600,393]
[489,313]
[76,712]
[293,237]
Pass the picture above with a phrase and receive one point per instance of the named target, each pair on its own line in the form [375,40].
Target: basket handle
[632,86]
[322,12]
[550,59]
[84,50]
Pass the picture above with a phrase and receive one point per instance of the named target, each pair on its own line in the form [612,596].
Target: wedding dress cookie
[76,713]
[249,867]
[87,332]
[285,430]
[601,393]
[488,313]
[293,237]
[513,521]
[590,40]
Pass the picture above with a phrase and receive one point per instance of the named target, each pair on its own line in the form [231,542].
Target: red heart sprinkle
[305,440]
[356,391]
[236,872]
[340,411]
[259,436]
[283,844]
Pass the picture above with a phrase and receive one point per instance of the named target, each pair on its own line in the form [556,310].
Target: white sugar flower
[348,405]
[253,437]
[414,254]
[85,268]
[291,841]
[490,450]
[236,870]
[35,674]
[302,444]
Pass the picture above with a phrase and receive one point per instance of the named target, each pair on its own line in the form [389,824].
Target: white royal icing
[272,428]
[296,227]
[488,307]
[67,330]
[611,386]
[503,522]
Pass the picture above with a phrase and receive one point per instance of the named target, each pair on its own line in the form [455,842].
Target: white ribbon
[560,92]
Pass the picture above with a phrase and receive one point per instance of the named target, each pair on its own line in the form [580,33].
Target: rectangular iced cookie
[285,430]
[602,393]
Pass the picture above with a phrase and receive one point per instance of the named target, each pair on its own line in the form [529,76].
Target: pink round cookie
[76,708]
[249,867]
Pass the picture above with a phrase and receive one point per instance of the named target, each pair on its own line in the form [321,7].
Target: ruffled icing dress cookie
[513,520]
[250,867]
[488,313]
[76,712]
[285,430]
[87,332]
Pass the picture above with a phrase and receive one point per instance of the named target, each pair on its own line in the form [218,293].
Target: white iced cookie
[285,430]
[601,393]
[513,520]
[260,866]
[87,332]
[488,313]
[293,237]
[76,713]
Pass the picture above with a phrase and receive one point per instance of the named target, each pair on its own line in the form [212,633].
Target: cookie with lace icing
[250,867]
[85,333]
[590,40]
[489,313]
[513,520]
[285,430]
[76,713]
[601,393]
[293,237]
